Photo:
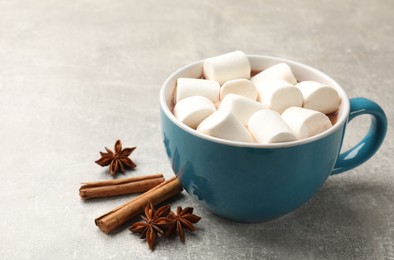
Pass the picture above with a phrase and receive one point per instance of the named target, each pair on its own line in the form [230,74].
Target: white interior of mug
[258,63]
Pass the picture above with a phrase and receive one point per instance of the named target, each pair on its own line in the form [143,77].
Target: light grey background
[77,75]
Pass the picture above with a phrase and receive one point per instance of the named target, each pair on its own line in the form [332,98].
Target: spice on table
[153,224]
[119,215]
[118,159]
[183,219]
[111,188]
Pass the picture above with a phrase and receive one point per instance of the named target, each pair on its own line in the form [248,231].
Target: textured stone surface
[77,75]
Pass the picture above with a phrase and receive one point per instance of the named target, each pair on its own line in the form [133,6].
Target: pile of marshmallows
[270,107]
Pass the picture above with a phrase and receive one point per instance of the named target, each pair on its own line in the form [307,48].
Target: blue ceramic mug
[258,182]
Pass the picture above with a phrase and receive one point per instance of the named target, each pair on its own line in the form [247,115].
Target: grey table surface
[77,75]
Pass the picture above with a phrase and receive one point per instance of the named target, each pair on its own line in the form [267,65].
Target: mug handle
[371,141]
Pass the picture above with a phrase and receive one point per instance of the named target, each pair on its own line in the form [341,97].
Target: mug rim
[342,117]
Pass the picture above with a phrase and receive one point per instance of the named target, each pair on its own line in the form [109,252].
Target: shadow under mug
[258,182]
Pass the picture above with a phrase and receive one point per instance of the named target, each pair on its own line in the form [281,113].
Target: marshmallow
[319,97]
[233,65]
[279,95]
[192,110]
[305,122]
[279,71]
[241,107]
[223,124]
[187,87]
[242,87]
[267,126]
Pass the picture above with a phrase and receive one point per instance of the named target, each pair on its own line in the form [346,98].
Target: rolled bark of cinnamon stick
[116,217]
[111,188]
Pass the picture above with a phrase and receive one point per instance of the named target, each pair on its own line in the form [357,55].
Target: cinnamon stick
[119,215]
[111,188]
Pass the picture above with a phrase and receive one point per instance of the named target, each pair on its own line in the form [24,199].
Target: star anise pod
[183,219]
[153,224]
[118,159]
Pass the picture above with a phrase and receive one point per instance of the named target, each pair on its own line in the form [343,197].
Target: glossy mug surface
[255,182]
